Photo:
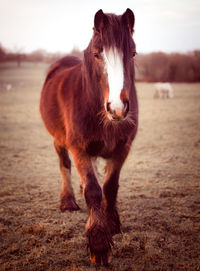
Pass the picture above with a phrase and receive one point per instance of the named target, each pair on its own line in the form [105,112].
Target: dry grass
[158,199]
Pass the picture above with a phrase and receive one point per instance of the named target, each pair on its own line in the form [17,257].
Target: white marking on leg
[114,67]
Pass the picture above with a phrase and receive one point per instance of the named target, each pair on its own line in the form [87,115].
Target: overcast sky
[60,25]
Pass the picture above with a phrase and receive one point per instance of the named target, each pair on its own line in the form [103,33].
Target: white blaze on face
[114,67]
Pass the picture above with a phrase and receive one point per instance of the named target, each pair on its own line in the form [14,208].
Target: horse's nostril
[108,108]
[126,108]
[118,113]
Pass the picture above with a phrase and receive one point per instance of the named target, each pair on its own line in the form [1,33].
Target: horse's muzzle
[117,114]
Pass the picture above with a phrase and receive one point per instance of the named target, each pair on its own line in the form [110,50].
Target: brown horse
[90,108]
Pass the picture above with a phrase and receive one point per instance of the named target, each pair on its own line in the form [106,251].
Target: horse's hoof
[100,258]
[68,205]
[99,242]
[114,223]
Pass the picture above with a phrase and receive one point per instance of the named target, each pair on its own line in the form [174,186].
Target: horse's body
[91,115]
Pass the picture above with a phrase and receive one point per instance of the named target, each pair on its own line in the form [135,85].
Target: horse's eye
[97,56]
[134,53]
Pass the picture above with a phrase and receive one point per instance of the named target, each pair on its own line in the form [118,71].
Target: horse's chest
[103,149]
[99,148]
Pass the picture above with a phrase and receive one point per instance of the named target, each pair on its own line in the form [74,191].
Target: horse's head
[113,50]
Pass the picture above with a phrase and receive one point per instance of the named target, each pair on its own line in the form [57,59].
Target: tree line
[163,67]
[152,67]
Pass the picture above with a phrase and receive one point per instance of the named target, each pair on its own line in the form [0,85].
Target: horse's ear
[100,20]
[128,18]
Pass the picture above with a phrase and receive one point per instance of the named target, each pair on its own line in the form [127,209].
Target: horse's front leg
[98,235]
[110,189]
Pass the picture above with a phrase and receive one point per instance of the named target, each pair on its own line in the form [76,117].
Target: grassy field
[159,195]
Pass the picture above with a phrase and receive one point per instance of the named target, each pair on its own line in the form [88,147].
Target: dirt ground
[159,195]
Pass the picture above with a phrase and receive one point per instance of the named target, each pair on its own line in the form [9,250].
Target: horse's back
[60,65]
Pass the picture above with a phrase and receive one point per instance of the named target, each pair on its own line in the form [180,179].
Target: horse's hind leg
[68,202]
